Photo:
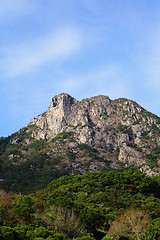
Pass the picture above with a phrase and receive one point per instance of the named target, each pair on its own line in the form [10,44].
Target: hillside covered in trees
[111,205]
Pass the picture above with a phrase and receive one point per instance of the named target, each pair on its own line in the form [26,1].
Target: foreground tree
[7,216]
[131,222]
[63,221]
[24,209]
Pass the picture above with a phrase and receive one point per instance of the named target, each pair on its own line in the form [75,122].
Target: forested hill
[111,205]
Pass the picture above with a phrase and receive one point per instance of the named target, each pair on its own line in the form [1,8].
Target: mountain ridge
[91,114]
[73,137]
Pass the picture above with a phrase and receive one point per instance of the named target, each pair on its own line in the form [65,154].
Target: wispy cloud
[13,7]
[24,58]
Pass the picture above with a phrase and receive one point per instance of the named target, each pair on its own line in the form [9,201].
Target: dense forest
[112,205]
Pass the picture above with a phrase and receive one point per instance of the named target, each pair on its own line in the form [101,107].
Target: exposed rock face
[65,112]
[73,137]
[98,121]
[130,156]
[126,131]
[58,116]
[147,170]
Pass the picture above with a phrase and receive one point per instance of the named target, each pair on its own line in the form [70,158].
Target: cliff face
[94,134]
[58,116]
[120,124]
[66,113]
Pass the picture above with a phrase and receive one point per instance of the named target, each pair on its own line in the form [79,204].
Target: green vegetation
[71,155]
[87,148]
[26,232]
[63,135]
[29,171]
[90,152]
[25,163]
[122,204]
[152,158]
[131,144]
[111,205]
[126,130]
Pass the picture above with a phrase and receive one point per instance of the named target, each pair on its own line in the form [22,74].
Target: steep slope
[73,137]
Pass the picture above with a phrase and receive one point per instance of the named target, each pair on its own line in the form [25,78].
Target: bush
[24,208]
[84,238]
[107,237]
[8,233]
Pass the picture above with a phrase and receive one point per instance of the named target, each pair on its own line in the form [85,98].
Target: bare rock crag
[121,125]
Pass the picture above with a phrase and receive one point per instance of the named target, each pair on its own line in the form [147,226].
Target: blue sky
[82,47]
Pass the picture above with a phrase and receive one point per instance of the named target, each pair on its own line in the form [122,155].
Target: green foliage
[90,152]
[97,197]
[84,238]
[63,135]
[3,144]
[152,160]
[7,233]
[107,237]
[71,155]
[41,232]
[152,232]
[29,171]
[87,148]
[145,134]
[131,144]
[24,208]
[117,152]
[126,130]
[28,232]
[87,205]
[158,120]
[22,230]
[38,144]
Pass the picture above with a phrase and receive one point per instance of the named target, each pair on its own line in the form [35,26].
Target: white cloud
[24,58]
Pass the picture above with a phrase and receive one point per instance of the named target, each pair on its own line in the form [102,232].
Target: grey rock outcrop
[129,156]
[98,121]
[66,113]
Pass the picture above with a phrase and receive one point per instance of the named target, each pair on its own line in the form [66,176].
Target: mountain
[73,137]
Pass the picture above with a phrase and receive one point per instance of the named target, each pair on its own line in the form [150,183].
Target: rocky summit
[121,125]
[72,137]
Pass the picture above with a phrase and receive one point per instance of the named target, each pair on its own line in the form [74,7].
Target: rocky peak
[121,125]
[60,112]
[57,116]
[65,111]
[62,102]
